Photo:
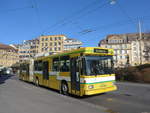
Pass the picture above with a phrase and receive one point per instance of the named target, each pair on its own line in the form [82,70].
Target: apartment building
[140,51]
[28,49]
[46,45]
[8,55]
[71,43]
[129,48]
[51,43]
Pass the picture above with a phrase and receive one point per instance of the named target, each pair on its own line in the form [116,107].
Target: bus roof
[85,50]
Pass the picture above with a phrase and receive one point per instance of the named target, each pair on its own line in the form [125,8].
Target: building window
[59,43]
[46,49]
[59,49]
[120,57]
[55,38]
[51,44]
[46,39]
[51,39]
[38,65]
[42,44]
[42,39]
[55,49]
[120,51]
[135,54]
[55,44]
[134,48]
[59,38]
[42,49]
[46,44]
[50,49]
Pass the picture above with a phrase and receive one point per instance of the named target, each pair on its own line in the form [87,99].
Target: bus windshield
[98,65]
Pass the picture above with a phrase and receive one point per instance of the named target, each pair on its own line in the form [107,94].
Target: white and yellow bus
[84,71]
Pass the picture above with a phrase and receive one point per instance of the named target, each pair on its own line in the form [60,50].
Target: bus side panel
[53,82]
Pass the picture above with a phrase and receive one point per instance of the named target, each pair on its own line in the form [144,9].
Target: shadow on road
[86,96]
[3,78]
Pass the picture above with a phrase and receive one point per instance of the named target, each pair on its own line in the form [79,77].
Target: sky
[86,20]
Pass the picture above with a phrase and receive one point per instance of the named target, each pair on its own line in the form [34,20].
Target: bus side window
[83,66]
[55,66]
[64,64]
[38,66]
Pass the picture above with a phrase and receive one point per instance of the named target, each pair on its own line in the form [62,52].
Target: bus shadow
[3,78]
[70,95]
[86,96]
[40,86]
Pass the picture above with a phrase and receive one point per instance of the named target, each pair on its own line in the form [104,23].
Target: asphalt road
[20,97]
[129,98]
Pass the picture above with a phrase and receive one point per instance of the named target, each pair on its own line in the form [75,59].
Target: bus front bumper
[101,90]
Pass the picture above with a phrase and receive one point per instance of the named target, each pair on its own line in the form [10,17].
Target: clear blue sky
[27,19]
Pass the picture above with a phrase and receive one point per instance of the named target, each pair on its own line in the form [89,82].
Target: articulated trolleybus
[84,71]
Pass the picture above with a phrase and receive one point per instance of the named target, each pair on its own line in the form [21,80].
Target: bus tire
[64,88]
[37,82]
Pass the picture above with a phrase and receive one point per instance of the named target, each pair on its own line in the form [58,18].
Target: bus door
[75,76]
[45,73]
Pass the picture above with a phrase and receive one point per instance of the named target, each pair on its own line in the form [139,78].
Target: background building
[140,51]
[129,48]
[46,45]
[8,55]
[28,49]
[71,43]
[51,44]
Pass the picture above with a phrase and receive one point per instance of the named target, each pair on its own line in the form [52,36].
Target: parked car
[6,71]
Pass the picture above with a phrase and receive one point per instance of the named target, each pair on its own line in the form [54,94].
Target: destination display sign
[100,50]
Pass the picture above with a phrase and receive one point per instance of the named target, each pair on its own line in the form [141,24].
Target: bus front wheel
[64,88]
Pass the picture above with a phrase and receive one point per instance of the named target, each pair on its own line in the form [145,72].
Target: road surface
[129,98]
[20,97]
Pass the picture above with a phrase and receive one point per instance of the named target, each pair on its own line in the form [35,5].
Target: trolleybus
[84,71]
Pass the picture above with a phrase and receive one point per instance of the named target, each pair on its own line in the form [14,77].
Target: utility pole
[140,39]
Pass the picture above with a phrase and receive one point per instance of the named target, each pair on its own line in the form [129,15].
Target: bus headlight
[91,87]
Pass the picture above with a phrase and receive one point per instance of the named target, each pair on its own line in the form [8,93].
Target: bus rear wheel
[64,88]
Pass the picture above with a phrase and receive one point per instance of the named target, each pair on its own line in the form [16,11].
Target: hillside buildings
[129,48]
[8,55]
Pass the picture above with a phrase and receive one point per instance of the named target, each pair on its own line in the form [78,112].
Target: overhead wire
[116,24]
[84,14]
[73,15]
[122,10]
[35,6]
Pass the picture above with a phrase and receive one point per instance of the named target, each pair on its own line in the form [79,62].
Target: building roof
[128,37]
[71,39]
[58,35]
[7,47]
